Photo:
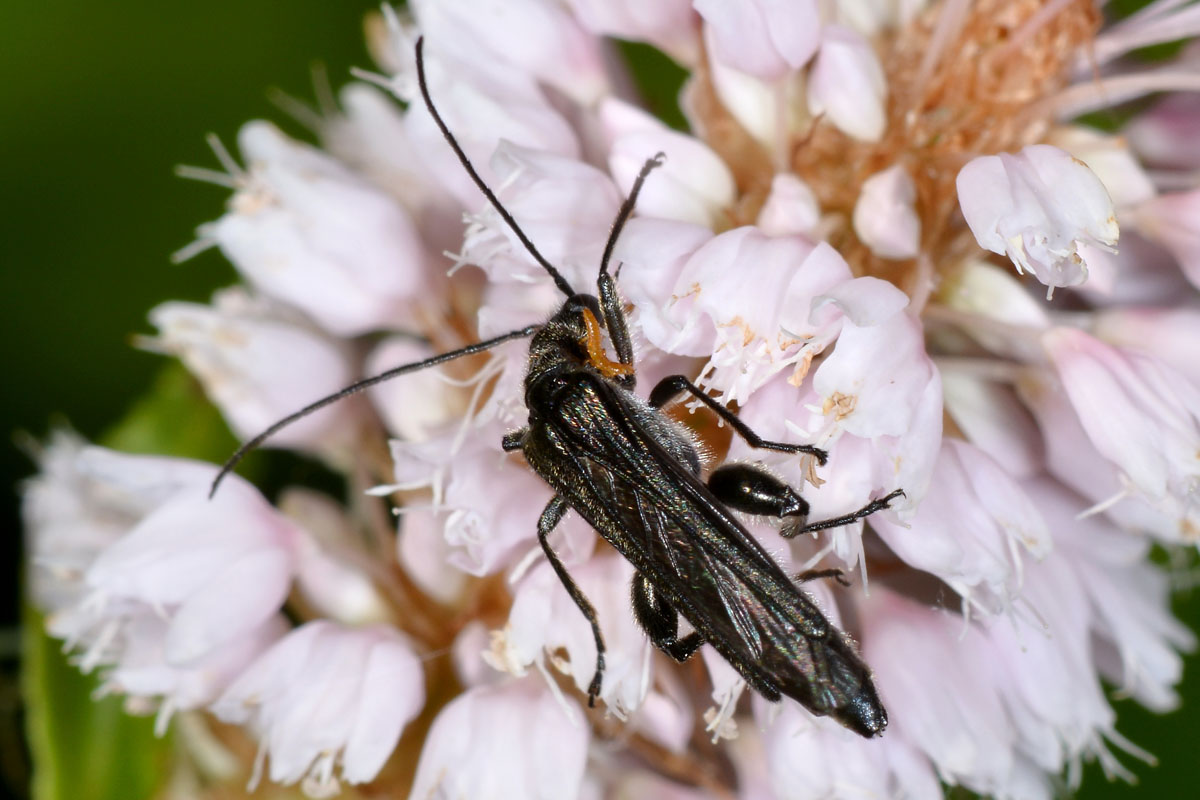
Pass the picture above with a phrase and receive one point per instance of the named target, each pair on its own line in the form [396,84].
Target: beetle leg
[836,573]
[672,386]
[661,622]
[514,440]
[870,508]
[753,490]
[552,514]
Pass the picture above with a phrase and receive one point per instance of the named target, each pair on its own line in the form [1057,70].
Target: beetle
[635,476]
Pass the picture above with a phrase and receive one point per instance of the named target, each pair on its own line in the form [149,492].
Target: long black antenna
[355,388]
[627,208]
[559,280]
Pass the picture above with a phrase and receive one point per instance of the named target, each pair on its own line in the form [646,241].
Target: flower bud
[847,84]
[764,38]
[884,217]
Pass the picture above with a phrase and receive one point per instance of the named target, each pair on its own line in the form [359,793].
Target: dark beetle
[635,476]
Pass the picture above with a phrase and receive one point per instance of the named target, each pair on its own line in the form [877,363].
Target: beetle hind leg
[800,526]
[660,621]
[753,490]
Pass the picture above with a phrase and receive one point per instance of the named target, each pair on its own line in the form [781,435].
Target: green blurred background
[100,101]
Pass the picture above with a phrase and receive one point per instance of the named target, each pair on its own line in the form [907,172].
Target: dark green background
[99,102]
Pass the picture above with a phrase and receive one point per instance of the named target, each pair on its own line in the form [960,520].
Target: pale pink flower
[970,529]
[480,106]
[878,370]
[414,409]
[371,135]
[424,552]
[306,230]
[655,253]
[565,205]
[242,348]
[1037,206]
[487,505]
[692,185]
[760,105]
[168,594]
[1111,160]
[807,756]
[1072,457]
[751,329]
[71,515]
[544,620]
[669,25]
[327,701]
[1170,334]
[1137,639]
[327,575]
[215,568]
[1156,445]
[802,253]
[515,739]
[554,48]
[151,683]
[1172,221]
[989,295]
[994,420]
[1168,133]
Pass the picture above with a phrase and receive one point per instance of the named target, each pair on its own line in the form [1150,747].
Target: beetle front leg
[552,514]
[660,621]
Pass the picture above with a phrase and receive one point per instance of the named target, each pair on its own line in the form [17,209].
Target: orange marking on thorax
[595,349]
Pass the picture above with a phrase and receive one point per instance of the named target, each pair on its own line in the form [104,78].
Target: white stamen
[226,160]
[1142,31]
[190,251]
[1115,89]
[557,692]
[951,17]
[298,110]
[1104,505]
[206,175]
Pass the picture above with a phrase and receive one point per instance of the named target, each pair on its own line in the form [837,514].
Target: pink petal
[234,600]
[391,695]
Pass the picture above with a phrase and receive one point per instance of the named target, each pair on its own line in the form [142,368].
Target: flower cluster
[882,235]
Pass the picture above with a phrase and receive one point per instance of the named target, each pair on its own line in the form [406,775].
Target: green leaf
[659,81]
[82,749]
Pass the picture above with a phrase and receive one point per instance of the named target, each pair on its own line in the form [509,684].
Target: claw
[593,690]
